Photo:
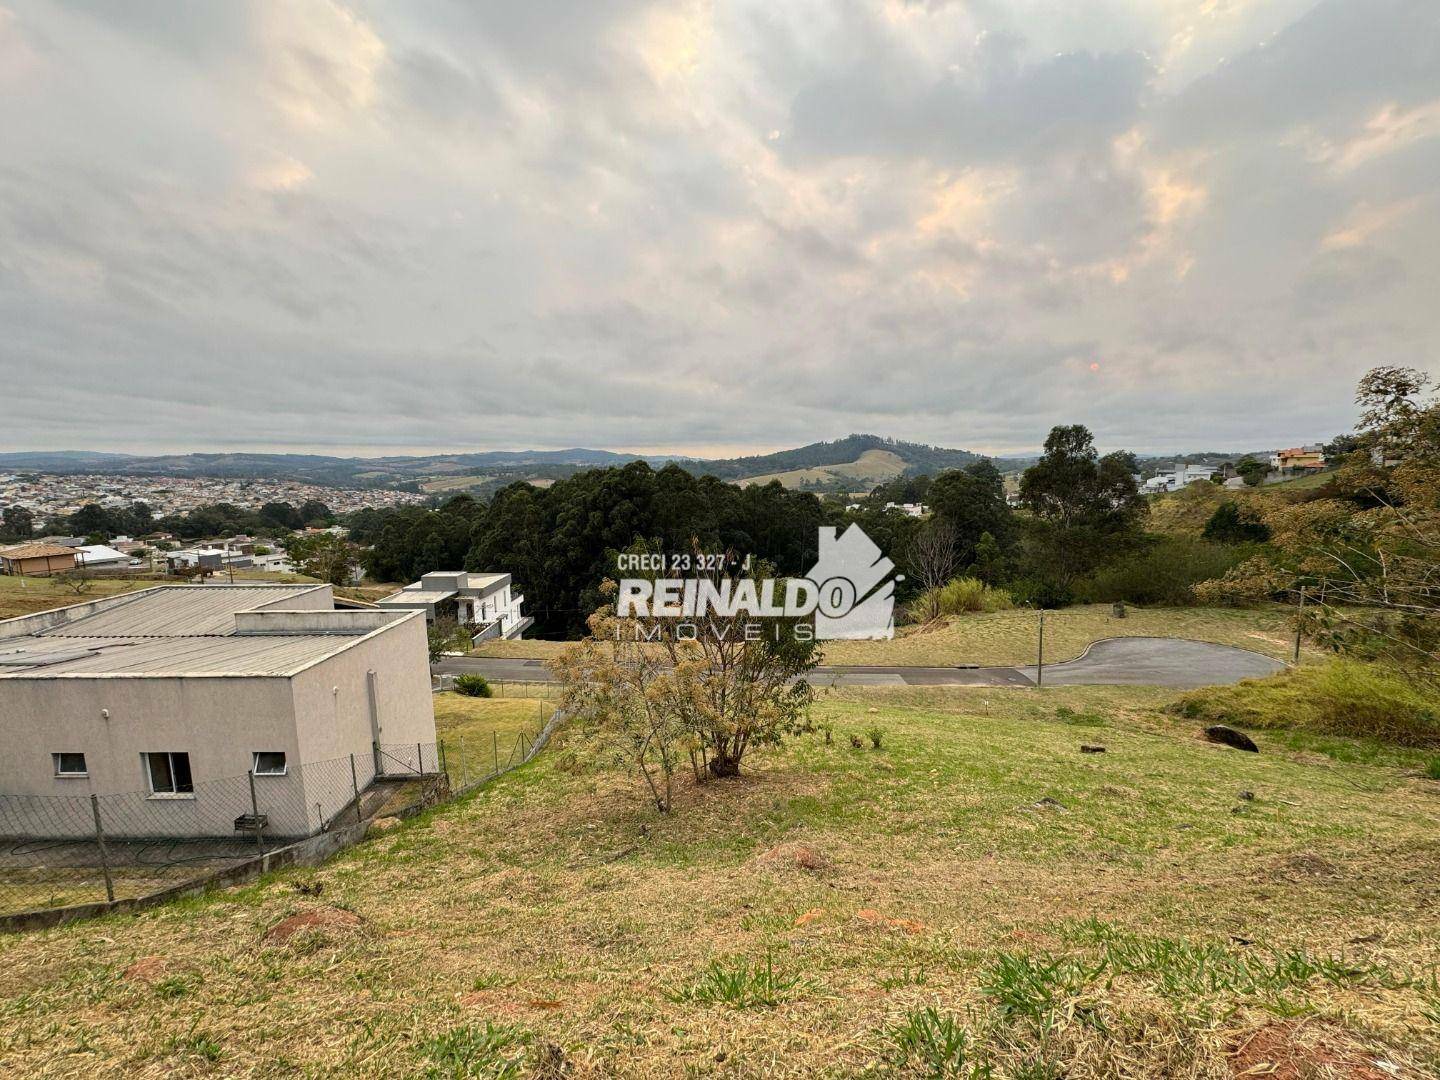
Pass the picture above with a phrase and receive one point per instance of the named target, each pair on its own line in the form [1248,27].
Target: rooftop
[35,551]
[212,630]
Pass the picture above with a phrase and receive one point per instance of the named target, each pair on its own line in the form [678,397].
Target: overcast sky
[710,227]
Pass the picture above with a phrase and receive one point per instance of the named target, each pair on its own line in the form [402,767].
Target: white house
[184,707]
[485,602]
[1176,478]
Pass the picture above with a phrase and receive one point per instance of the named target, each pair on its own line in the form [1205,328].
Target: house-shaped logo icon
[856,590]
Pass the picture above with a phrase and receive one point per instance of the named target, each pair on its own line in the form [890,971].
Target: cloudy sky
[710,226]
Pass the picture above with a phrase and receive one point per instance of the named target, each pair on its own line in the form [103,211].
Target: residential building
[914,510]
[484,603]
[1175,478]
[37,559]
[165,701]
[101,557]
[1299,459]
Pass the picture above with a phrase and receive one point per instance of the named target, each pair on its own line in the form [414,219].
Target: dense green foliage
[1340,697]
[472,685]
[1159,571]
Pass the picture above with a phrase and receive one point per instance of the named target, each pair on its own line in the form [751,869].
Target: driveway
[1137,661]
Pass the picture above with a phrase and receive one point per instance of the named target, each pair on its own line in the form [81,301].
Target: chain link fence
[63,850]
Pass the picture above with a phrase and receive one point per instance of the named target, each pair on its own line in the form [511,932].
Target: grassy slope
[1009,637]
[871,467]
[25,595]
[554,903]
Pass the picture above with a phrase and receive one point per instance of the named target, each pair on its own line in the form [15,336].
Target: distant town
[51,495]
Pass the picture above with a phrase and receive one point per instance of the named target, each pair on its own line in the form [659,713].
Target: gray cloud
[654,225]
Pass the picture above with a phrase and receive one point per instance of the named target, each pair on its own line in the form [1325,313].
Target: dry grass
[1005,638]
[978,843]
[27,595]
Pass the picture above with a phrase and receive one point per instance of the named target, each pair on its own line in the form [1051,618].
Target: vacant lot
[975,891]
[1010,637]
[26,595]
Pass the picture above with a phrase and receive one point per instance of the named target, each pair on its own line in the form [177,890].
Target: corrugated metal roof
[177,611]
[240,655]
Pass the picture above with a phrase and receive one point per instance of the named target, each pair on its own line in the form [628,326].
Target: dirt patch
[877,918]
[1305,864]
[324,918]
[798,856]
[147,969]
[1291,1050]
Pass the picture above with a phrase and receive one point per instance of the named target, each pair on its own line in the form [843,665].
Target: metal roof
[269,654]
[171,630]
[177,611]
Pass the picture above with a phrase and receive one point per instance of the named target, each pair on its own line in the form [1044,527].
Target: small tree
[710,686]
[1251,471]
[325,556]
[75,581]
[445,635]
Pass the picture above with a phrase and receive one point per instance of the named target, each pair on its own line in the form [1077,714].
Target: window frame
[65,774]
[174,791]
[255,763]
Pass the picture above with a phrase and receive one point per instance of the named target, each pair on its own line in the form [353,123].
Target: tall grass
[1340,697]
[959,596]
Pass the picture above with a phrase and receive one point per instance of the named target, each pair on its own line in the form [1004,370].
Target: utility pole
[1040,653]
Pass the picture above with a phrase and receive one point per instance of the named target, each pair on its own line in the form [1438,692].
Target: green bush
[1161,573]
[959,596]
[1340,697]
[473,686]
[1039,592]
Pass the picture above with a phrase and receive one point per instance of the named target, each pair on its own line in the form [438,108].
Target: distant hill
[854,462]
[845,463]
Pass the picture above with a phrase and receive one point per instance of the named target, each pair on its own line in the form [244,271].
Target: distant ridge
[486,470]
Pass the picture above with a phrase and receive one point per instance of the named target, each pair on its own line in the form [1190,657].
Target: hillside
[847,455]
[975,898]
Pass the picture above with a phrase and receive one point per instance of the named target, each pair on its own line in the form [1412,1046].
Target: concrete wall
[332,697]
[218,721]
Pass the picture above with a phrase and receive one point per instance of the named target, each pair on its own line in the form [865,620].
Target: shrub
[1162,573]
[958,597]
[473,686]
[1040,593]
[877,736]
[1340,697]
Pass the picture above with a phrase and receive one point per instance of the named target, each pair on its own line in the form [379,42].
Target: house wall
[332,701]
[218,721]
[45,564]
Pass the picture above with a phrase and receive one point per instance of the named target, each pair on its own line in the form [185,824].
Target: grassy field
[26,595]
[976,898]
[1010,637]
[869,469]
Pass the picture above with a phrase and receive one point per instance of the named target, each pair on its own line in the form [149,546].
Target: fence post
[495,735]
[419,760]
[255,810]
[375,750]
[100,842]
[355,787]
[1040,653]
[1299,622]
[440,750]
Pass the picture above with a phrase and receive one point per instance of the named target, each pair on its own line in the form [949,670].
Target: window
[169,773]
[268,762]
[68,764]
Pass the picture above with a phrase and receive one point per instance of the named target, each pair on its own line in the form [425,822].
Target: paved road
[1130,661]
[1143,661]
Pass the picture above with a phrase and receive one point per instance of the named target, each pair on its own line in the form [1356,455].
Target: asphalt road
[1114,661]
